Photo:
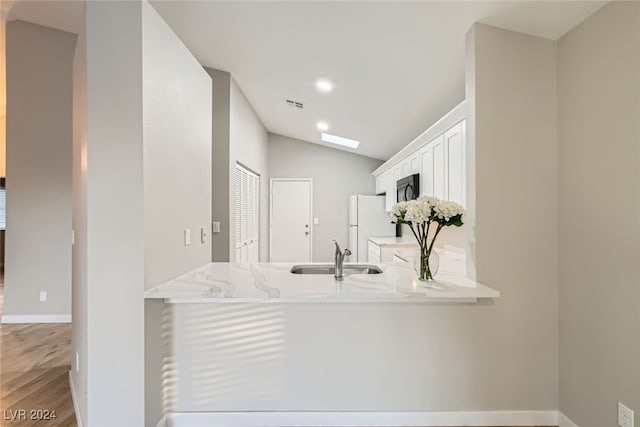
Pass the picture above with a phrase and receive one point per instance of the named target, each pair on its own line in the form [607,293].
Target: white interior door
[291,220]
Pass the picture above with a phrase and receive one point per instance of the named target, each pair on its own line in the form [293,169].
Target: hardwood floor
[34,375]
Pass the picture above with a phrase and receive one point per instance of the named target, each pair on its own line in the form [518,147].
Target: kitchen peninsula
[242,341]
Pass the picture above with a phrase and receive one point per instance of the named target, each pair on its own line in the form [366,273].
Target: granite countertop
[267,282]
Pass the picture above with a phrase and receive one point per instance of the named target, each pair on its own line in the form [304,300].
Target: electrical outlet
[203,235]
[215,227]
[625,416]
[43,296]
[187,236]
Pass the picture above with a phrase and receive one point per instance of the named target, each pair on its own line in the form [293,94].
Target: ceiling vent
[295,104]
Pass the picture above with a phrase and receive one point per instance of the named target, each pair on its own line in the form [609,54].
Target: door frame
[310,181]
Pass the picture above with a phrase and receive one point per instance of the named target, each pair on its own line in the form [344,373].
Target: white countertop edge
[303,300]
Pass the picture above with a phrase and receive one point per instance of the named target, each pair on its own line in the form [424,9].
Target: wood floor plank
[35,360]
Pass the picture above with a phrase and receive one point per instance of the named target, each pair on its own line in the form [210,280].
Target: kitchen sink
[330,269]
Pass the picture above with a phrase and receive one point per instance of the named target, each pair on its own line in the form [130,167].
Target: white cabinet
[380,186]
[374,253]
[454,140]
[390,186]
[443,166]
[379,254]
[432,169]
[410,165]
[438,155]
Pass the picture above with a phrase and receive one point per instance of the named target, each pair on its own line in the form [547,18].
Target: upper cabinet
[454,140]
[438,155]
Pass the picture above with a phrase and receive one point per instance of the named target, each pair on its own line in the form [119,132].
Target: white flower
[398,210]
[420,210]
[446,210]
[430,200]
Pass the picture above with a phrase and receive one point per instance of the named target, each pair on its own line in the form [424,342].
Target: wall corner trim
[564,421]
[76,408]
[36,318]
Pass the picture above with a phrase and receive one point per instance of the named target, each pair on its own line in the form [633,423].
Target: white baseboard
[348,419]
[74,398]
[564,421]
[36,318]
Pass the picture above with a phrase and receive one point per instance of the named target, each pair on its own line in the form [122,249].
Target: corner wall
[177,153]
[336,175]
[512,202]
[79,283]
[39,146]
[599,215]
[238,136]
[177,181]
[220,210]
[248,145]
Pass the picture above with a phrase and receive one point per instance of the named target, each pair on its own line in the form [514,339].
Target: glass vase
[426,265]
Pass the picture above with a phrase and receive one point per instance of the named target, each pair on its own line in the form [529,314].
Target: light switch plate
[316,221]
[625,416]
[203,235]
[215,227]
[43,296]
[187,236]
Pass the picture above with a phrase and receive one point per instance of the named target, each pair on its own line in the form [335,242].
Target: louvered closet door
[247,230]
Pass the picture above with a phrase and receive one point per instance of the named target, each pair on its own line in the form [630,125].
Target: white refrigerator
[367,218]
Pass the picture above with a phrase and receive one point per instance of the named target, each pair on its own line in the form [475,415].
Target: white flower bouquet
[420,215]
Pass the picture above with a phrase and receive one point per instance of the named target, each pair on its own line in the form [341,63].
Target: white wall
[108,216]
[336,175]
[39,145]
[599,214]
[177,178]
[512,204]
[80,300]
[142,173]
[177,153]
[3,94]
[248,145]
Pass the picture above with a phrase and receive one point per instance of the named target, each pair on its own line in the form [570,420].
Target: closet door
[246,206]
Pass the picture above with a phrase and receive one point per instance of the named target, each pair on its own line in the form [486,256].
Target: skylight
[338,140]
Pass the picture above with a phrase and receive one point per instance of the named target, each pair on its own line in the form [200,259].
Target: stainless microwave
[408,188]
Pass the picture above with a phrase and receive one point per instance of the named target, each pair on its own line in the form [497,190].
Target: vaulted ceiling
[396,67]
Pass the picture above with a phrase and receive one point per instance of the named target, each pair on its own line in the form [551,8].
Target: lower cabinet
[379,253]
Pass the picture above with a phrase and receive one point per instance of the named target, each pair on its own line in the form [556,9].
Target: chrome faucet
[339,260]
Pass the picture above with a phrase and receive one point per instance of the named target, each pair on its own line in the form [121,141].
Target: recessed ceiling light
[322,126]
[345,142]
[324,85]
